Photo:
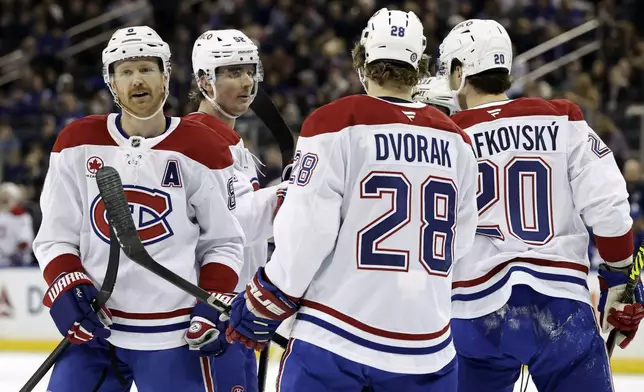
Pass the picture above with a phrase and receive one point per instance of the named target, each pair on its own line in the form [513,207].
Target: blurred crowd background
[50,69]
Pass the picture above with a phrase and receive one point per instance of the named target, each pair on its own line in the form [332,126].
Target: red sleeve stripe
[614,249]
[65,263]
[215,277]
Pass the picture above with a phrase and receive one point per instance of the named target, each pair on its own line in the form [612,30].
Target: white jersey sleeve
[255,206]
[467,216]
[62,218]
[599,190]
[214,203]
[310,221]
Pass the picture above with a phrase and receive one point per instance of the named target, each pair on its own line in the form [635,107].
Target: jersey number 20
[528,198]
[436,233]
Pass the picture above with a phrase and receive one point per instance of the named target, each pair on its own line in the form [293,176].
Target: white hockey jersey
[381,204]
[543,175]
[255,206]
[179,186]
[16,236]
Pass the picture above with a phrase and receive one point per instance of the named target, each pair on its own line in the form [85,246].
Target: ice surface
[16,368]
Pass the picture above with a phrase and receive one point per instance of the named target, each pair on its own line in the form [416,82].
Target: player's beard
[144,107]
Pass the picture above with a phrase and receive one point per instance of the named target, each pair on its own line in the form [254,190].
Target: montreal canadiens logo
[94,164]
[237,388]
[150,209]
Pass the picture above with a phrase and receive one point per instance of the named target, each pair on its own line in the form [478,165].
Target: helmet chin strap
[216,105]
[455,94]
[361,77]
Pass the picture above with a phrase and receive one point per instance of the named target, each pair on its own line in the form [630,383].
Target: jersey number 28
[436,233]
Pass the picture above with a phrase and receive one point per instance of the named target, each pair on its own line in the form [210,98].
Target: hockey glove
[613,313]
[257,312]
[207,331]
[69,300]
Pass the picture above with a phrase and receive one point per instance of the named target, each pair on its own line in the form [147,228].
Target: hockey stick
[627,297]
[265,109]
[134,249]
[106,191]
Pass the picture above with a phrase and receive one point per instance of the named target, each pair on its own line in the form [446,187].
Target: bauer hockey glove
[207,331]
[257,312]
[69,300]
[613,313]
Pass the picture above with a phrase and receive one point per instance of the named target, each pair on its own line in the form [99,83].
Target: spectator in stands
[634,184]
[9,143]
[303,46]
[613,137]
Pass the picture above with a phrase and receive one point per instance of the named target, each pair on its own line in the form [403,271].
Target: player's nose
[137,80]
[247,80]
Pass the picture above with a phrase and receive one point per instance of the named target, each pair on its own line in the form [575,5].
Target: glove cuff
[64,283]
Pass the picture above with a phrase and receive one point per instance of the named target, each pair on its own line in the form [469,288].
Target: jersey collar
[123,140]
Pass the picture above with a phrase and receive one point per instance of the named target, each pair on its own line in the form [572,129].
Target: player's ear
[203,82]
[458,70]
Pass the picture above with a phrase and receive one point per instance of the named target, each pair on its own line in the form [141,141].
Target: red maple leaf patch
[94,164]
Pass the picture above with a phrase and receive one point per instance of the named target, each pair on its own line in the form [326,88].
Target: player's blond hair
[394,72]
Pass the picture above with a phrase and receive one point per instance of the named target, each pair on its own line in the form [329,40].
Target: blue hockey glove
[257,312]
[207,328]
[613,313]
[69,300]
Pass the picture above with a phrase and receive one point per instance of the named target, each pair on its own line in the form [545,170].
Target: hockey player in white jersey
[228,70]
[16,227]
[381,203]
[177,176]
[520,296]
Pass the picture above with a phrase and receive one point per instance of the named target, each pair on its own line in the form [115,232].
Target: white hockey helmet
[220,48]
[10,195]
[480,45]
[436,92]
[394,35]
[131,43]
